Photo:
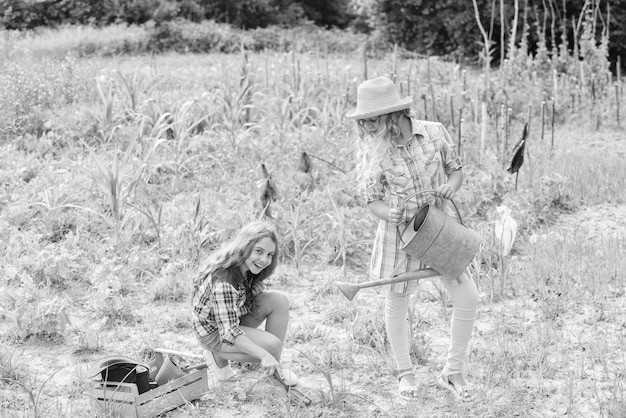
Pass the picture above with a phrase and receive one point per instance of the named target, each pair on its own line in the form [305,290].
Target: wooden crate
[125,400]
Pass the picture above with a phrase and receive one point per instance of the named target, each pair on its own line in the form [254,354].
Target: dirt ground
[61,370]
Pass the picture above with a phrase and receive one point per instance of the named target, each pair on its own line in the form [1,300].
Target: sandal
[222,374]
[407,392]
[286,378]
[459,390]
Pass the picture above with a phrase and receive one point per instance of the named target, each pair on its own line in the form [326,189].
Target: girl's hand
[257,287]
[395,215]
[269,364]
[446,191]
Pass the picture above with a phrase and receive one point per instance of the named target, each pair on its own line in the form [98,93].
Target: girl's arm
[455,180]
[246,345]
[382,211]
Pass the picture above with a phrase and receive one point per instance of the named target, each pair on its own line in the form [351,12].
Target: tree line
[460,29]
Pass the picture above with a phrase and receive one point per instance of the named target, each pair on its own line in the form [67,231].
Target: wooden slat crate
[125,400]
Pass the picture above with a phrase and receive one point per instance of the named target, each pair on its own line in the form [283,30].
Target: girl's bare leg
[274,310]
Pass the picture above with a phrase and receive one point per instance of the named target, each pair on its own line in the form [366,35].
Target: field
[120,173]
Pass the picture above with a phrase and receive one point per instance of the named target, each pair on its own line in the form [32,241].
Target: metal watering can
[439,240]
[435,239]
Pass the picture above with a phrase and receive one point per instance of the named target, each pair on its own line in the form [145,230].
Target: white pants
[464,299]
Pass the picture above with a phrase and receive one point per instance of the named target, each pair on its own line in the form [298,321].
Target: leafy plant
[182,127]
[106,120]
[116,183]
[231,112]
[37,312]
[33,395]
[297,237]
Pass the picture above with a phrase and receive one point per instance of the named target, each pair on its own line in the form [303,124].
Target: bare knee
[273,301]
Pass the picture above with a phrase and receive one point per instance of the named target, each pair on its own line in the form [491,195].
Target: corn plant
[296,235]
[115,182]
[196,229]
[106,119]
[131,88]
[231,113]
[338,220]
[153,217]
[337,396]
[332,110]
[154,121]
[184,123]
[282,116]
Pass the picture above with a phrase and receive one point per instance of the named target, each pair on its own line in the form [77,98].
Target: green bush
[135,12]
[185,36]
[20,14]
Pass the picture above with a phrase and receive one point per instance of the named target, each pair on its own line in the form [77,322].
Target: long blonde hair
[235,251]
[372,147]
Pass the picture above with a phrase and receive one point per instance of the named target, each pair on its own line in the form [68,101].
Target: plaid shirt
[219,304]
[422,164]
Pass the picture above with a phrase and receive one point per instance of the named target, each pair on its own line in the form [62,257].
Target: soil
[60,370]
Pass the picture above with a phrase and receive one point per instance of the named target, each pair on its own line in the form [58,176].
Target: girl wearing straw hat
[398,156]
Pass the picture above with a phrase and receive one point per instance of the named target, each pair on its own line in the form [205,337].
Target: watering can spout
[350,290]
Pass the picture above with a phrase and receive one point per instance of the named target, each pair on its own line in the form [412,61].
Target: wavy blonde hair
[372,147]
[235,252]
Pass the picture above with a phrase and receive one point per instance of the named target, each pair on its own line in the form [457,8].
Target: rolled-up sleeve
[227,313]
[451,159]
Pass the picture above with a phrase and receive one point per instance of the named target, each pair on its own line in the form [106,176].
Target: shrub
[184,36]
[137,11]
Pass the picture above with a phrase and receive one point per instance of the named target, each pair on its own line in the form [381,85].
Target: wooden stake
[504,127]
[617,102]
[364,62]
[552,127]
[395,63]
[483,131]
[543,116]
[408,78]
[452,111]
[619,73]
[432,97]
[506,131]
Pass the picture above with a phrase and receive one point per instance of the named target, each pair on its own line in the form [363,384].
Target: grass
[120,173]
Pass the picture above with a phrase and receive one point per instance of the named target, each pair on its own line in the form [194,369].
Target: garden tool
[289,381]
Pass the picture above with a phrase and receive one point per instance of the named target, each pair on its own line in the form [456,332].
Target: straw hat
[376,97]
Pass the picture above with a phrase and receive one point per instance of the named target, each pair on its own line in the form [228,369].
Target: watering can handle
[431,192]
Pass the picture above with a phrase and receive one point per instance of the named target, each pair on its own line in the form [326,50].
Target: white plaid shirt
[422,164]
